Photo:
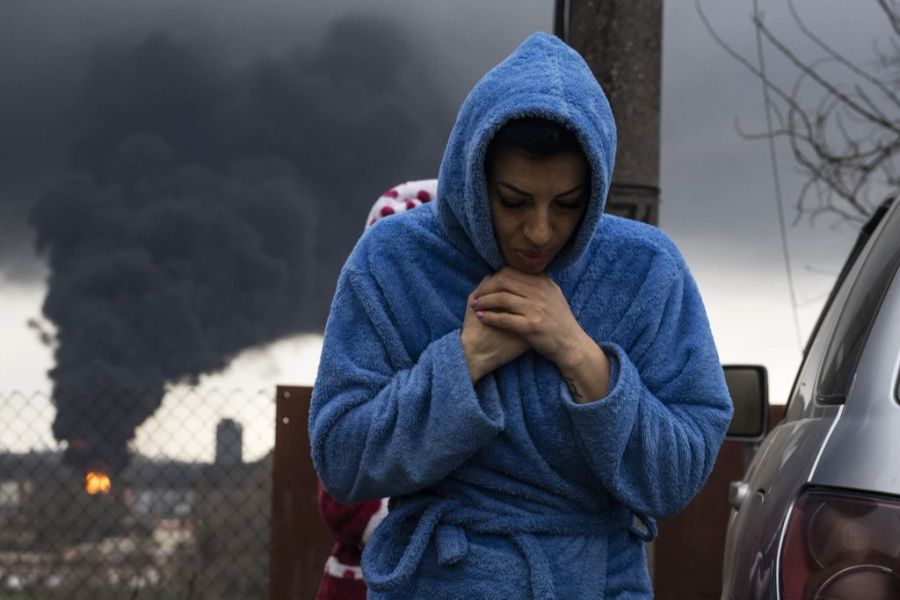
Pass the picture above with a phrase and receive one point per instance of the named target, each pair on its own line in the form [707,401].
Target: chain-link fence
[185,515]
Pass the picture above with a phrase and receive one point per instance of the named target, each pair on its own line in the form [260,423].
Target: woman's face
[536,204]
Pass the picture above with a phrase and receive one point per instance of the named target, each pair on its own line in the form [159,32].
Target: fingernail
[473,302]
[479,314]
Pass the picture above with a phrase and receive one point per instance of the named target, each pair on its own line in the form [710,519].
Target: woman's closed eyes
[568,204]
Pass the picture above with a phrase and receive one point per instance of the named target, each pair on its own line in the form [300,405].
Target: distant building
[229,443]
[12,494]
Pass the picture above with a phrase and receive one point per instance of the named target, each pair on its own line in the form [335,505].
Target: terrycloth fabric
[542,78]
[508,488]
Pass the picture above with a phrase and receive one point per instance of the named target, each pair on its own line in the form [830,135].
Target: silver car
[817,515]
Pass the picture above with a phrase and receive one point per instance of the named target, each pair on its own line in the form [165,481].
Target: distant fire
[96,482]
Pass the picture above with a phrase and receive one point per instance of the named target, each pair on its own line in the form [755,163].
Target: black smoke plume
[208,210]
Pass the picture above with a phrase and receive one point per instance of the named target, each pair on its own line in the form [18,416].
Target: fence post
[691,545]
[300,540]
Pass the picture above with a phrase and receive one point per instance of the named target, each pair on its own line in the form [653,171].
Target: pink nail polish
[479,314]
[473,302]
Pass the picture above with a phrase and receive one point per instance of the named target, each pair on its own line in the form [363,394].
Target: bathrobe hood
[543,78]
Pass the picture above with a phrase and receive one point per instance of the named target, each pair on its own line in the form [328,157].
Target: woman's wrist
[474,361]
[585,370]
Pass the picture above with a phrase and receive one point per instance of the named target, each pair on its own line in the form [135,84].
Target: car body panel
[849,445]
[857,455]
[783,467]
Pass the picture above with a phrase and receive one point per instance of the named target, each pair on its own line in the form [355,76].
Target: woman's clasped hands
[510,312]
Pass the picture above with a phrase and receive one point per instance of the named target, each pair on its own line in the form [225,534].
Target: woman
[530,378]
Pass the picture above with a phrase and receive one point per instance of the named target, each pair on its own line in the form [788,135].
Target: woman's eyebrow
[513,188]
[574,189]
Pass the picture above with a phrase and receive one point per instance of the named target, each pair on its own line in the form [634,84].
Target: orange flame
[96,482]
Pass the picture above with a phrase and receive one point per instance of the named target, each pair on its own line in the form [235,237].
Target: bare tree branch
[848,141]
[864,97]
[801,24]
[892,11]
[818,78]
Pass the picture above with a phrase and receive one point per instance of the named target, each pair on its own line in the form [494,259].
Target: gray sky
[717,189]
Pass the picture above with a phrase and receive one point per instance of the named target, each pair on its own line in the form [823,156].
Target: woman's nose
[538,230]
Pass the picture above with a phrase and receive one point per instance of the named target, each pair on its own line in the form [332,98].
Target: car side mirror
[749,389]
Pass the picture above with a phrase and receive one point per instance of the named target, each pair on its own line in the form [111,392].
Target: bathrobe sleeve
[385,424]
[653,440]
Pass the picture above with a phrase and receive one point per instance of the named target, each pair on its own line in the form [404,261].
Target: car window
[801,392]
[808,374]
[858,314]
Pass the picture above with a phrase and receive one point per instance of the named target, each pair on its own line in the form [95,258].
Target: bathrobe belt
[447,520]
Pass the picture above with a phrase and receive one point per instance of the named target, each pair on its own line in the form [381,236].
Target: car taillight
[841,547]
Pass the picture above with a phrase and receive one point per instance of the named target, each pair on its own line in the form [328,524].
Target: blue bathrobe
[508,488]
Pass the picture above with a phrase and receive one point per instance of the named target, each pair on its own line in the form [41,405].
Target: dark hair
[536,136]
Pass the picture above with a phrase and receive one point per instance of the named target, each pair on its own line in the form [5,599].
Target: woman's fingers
[501,301]
[531,307]
[508,280]
[513,323]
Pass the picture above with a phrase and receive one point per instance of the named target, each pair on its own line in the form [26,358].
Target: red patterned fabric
[401,198]
[351,524]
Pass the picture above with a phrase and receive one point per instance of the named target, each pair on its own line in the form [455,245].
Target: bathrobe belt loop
[643,528]
[447,520]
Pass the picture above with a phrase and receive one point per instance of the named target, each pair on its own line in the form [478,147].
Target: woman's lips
[532,258]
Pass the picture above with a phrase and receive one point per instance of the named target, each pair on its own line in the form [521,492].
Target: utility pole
[621,40]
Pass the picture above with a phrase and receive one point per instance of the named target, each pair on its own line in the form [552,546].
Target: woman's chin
[531,269]
[526,264]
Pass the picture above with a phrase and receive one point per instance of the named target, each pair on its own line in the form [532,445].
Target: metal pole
[561,19]
[621,40]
